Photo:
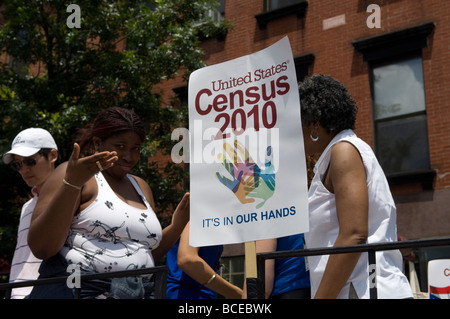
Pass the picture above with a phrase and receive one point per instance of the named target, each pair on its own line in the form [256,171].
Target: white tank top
[324,227]
[110,235]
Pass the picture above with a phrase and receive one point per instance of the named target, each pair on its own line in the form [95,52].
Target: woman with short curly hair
[349,198]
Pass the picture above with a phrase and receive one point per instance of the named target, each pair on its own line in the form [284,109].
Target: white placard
[247,164]
[439,278]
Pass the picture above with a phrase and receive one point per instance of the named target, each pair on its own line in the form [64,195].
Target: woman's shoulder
[61,167]
[145,188]
[350,137]
[141,182]
[345,156]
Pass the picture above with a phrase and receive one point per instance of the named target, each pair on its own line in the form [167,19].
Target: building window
[270,5]
[400,120]
[303,65]
[218,14]
[215,16]
[277,9]
[399,112]
[234,270]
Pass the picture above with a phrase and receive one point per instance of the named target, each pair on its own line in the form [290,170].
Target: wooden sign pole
[251,270]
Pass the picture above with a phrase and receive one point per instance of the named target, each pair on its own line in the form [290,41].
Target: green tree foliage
[58,78]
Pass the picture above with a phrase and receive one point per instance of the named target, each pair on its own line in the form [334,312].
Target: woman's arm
[192,264]
[53,215]
[346,178]
[58,201]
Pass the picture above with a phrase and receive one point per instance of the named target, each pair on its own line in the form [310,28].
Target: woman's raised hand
[80,170]
[181,214]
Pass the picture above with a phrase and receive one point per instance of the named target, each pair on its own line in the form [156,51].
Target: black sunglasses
[28,161]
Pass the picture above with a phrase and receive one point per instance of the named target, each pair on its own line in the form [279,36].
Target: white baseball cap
[29,142]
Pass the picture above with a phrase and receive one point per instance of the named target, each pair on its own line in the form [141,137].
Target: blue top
[182,286]
[290,273]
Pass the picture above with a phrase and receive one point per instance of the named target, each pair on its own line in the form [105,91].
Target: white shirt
[324,227]
[24,265]
[110,235]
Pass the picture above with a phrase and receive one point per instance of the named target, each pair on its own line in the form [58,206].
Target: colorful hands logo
[248,181]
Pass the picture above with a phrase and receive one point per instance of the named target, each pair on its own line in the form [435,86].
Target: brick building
[393,56]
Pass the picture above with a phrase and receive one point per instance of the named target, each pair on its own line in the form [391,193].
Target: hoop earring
[314,139]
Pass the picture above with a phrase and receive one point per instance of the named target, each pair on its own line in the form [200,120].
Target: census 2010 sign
[247,163]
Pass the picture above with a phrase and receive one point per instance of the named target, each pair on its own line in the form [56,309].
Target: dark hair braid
[109,122]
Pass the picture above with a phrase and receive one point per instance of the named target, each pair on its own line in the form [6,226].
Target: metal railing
[371,249]
[160,273]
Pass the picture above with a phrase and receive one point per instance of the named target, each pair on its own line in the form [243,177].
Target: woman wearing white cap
[33,154]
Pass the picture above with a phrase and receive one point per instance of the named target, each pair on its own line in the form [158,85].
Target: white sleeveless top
[324,227]
[110,235]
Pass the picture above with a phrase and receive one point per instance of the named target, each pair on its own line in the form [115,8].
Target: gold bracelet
[210,280]
[71,185]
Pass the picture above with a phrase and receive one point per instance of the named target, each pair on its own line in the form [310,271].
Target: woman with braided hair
[93,213]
